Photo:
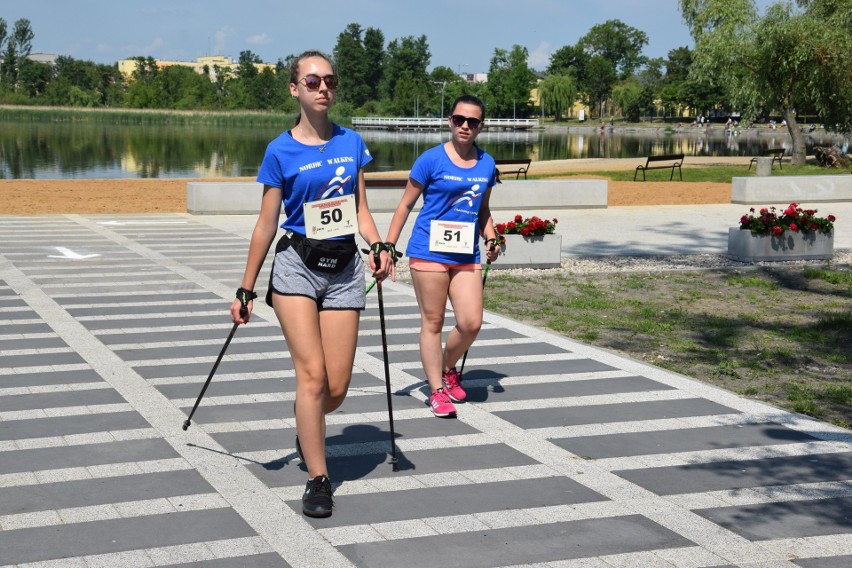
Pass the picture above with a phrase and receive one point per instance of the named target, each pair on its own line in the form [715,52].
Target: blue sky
[462,34]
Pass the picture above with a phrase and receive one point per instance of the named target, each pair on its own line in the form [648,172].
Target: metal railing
[428,123]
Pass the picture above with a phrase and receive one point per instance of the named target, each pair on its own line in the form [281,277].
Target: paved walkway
[565,455]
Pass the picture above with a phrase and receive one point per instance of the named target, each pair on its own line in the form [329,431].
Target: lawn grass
[780,335]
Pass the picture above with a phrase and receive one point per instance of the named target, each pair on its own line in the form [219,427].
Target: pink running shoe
[441,405]
[452,386]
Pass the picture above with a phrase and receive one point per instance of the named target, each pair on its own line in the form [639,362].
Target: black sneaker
[317,502]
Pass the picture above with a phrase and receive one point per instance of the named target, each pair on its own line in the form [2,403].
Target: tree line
[791,60]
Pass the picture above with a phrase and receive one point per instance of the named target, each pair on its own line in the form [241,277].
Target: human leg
[465,294]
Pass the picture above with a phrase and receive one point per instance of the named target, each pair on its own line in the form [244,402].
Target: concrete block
[783,190]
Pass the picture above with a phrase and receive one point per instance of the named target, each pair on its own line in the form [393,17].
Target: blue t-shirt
[309,173]
[450,193]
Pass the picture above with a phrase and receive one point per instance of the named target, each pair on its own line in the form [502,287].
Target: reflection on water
[74,150]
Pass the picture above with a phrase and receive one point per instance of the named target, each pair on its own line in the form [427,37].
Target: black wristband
[245,296]
[391,248]
[495,242]
[377,247]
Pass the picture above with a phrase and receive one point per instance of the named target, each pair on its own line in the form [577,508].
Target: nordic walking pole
[243,312]
[370,286]
[394,463]
[484,279]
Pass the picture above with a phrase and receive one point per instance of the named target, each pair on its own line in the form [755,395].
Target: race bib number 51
[451,236]
[333,217]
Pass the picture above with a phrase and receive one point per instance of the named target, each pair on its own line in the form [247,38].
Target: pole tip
[186,425]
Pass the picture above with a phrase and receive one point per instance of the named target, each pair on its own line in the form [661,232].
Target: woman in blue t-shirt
[455,180]
[317,282]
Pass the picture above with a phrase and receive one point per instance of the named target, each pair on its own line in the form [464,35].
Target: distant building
[127,66]
[49,58]
[474,77]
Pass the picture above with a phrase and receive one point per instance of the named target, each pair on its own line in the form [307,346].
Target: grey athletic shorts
[341,291]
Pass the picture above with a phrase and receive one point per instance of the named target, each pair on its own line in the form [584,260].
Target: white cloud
[539,57]
[259,39]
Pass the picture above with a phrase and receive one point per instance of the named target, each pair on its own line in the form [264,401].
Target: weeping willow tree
[557,94]
[794,56]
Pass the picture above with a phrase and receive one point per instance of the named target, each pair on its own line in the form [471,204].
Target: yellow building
[127,66]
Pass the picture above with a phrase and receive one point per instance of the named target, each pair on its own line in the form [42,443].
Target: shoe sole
[317,514]
[454,399]
[447,415]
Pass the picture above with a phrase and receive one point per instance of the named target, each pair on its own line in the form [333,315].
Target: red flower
[794,227]
[776,230]
[518,218]
[744,219]
[831,218]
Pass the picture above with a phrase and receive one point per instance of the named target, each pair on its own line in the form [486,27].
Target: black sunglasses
[458,120]
[313,82]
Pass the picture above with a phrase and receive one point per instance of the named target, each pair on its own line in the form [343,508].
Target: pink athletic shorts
[432,266]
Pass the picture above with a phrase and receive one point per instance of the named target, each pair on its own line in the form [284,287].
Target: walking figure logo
[467,197]
[335,184]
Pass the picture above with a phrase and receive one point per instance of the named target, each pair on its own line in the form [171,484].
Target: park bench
[520,167]
[776,154]
[675,159]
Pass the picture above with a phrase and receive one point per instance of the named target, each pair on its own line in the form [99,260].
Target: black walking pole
[394,463]
[246,296]
[484,279]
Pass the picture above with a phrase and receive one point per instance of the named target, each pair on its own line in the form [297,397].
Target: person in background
[317,284]
[455,180]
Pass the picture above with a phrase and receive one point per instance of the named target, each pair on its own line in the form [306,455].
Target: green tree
[617,42]
[374,54]
[789,58]
[406,55]
[510,81]
[569,59]
[557,94]
[597,86]
[34,77]
[353,67]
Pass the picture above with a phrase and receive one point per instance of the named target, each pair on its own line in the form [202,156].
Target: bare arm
[413,191]
[486,225]
[261,239]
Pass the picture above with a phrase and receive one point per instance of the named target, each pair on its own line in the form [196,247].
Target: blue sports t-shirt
[310,173]
[450,193]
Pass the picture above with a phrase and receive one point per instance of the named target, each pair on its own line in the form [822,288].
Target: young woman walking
[317,282]
[455,180]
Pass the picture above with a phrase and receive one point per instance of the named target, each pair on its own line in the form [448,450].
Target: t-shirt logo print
[335,184]
[467,197]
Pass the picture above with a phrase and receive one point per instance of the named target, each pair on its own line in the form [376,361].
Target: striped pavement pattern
[563,456]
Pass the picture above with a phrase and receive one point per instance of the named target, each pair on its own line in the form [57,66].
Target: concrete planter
[748,247]
[530,252]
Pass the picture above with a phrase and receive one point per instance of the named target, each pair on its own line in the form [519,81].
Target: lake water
[80,150]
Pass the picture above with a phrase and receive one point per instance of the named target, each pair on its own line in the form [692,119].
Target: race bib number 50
[333,217]
[451,236]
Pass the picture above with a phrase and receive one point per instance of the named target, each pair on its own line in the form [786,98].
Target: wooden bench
[520,167]
[776,154]
[676,159]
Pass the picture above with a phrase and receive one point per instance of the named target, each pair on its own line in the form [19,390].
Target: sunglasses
[458,120]
[313,82]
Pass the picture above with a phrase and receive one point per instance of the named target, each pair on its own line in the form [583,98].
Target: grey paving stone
[275,410]
[68,425]
[41,359]
[482,351]
[111,324]
[343,434]
[59,399]
[117,535]
[137,298]
[85,455]
[206,350]
[411,322]
[372,310]
[32,343]
[34,327]
[609,413]
[521,545]
[22,315]
[716,476]
[288,470]
[686,440]
[254,386]
[790,519]
[452,500]
[152,308]
[48,496]
[225,367]
[221,334]
[831,562]
[269,560]
[11,301]
[534,391]
[49,378]
[531,368]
